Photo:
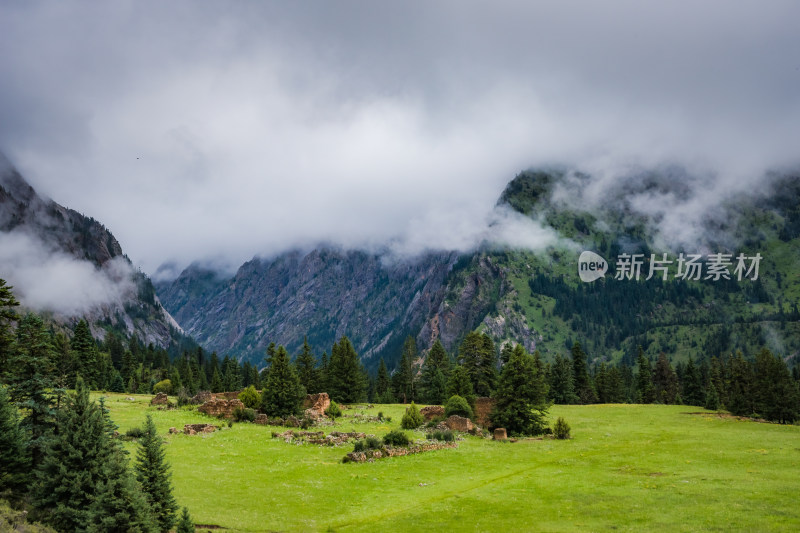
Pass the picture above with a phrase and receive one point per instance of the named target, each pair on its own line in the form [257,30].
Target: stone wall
[220,408]
[483,409]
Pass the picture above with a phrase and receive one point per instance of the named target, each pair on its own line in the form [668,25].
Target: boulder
[315,405]
[220,408]
[194,429]
[160,399]
[432,411]
[500,434]
[458,423]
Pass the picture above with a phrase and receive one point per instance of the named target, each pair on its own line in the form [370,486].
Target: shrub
[396,438]
[444,436]
[250,397]
[457,405]
[134,433]
[412,419]
[244,415]
[380,416]
[334,411]
[183,398]
[369,443]
[163,386]
[561,429]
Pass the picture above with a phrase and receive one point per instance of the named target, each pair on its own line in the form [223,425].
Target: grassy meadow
[627,468]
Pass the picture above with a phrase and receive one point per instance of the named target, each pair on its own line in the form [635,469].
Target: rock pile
[194,429]
[371,455]
[432,411]
[160,399]
[220,408]
[315,405]
[459,423]
[334,438]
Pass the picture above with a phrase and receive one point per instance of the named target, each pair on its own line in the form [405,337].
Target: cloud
[197,130]
[48,280]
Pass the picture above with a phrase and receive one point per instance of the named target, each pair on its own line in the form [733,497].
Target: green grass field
[627,468]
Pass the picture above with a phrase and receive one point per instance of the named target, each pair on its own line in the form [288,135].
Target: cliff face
[323,294]
[68,266]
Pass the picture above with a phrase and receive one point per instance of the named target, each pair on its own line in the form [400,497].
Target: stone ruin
[500,434]
[221,408]
[432,411]
[201,397]
[483,410]
[160,399]
[194,429]
[334,438]
[315,405]
[459,423]
[371,455]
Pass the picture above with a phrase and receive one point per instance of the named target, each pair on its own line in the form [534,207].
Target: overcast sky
[203,130]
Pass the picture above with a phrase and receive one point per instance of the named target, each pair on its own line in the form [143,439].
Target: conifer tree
[740,392]
[521,405]
[584,388]
[776,394]
[283,395]
[216,382]
[30,379]
[562,382]
[185,524]
[83,483]
[152,473]
[7,315]
[459,384]
[403,377]
[383,385]
[86,355]
[434,374]
[307,368]
[692,385]
[15,460]
[645,393]
[665,382]
[346,380]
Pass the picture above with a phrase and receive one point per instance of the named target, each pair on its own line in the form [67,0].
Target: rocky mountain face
[532,297]
[42,242]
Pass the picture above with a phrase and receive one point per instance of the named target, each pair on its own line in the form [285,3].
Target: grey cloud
[199,130]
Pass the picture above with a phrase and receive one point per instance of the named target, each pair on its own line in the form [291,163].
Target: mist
[45,279]
[215,132]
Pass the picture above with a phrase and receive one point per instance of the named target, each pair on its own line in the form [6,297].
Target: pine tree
[434,375]
[712,398]
[7,315]
[521,405]
[83,482]
[383,385]
[346,380]
[403,377]
[30,379]
[86,355]
[185,524]
[15,460]
[776,394]
[584,388]
[692,385]
[665,382]
[459,384]
[152,473]
[740,390]
[307,368]
[216,382]
[645,393]
[283,395]
[562,382]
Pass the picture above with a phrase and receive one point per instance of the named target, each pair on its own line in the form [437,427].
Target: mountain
[68,266]
[532,297]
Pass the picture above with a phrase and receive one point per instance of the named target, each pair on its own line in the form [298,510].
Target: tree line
[60,454]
